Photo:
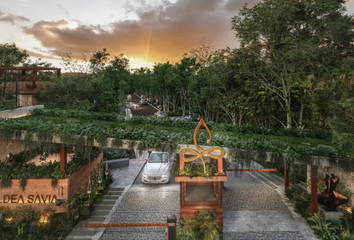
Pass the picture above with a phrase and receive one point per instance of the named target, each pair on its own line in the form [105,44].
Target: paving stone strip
[98,215]
[263,179]
[268,178]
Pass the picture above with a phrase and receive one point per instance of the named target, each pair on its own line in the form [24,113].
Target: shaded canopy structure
[26,85]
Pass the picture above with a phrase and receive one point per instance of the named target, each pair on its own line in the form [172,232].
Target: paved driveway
[253,208]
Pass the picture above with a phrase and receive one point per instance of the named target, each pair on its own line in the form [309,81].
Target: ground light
[106,172]
[8,157]
[99,176]
[44,218]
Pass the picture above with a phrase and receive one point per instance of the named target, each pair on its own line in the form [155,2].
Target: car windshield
[158,158]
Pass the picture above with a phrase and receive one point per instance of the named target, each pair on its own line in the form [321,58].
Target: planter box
[40,193]
[218,178]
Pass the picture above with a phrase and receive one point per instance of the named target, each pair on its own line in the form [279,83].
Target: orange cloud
[161,32]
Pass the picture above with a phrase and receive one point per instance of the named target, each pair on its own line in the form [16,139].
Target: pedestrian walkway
[99,214]
[103,211]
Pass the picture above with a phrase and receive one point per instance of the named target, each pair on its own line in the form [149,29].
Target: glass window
[158,158]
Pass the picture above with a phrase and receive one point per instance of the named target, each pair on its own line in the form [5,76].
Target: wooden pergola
[34,70]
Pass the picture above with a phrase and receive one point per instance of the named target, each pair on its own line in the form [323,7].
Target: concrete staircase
[99,214]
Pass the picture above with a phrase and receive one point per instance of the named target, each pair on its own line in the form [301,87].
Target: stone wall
[19,112]
[13,146]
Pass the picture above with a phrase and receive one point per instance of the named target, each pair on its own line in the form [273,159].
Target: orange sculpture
[330,198]
[201,152]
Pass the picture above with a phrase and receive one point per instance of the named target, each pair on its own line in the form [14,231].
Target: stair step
[102,207]
[106,202]
[81,238]
[81,233]
[116,189]
[113,193]
[112,197]
[94,220]
[100,213]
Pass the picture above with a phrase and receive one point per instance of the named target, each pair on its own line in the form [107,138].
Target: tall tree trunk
[183,106]
[301,116]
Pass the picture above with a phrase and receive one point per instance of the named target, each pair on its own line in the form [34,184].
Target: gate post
[172,228]
[286,175]
[314,198]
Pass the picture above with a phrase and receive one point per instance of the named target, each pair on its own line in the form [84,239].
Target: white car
[157,168]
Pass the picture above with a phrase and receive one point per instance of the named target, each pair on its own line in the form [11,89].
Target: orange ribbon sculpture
[201,152]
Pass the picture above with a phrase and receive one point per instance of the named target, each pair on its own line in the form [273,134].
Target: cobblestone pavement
[263,236]
[252,210]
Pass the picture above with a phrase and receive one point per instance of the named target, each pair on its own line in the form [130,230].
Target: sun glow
[69,25]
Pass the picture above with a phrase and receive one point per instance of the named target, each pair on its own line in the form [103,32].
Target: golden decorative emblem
[201,152]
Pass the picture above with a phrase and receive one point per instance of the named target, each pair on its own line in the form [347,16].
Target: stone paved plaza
[252,210]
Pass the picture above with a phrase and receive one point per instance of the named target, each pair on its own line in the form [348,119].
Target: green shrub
[202,226]
[323,228]
[300,200]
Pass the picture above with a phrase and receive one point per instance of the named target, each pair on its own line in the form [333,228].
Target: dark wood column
[23,73]
[314,170]
[286,175]
[63,157]
[34,74]
[58,73]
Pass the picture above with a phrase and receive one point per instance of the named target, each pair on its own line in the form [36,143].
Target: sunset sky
[146,31]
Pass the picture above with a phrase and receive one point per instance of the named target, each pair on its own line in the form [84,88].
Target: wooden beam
[314,200]
[252,170]
[181,163]
[63,158]
[286,175]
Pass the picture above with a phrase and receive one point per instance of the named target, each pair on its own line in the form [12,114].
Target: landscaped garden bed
[152,132]
[44,203]
[24,183]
